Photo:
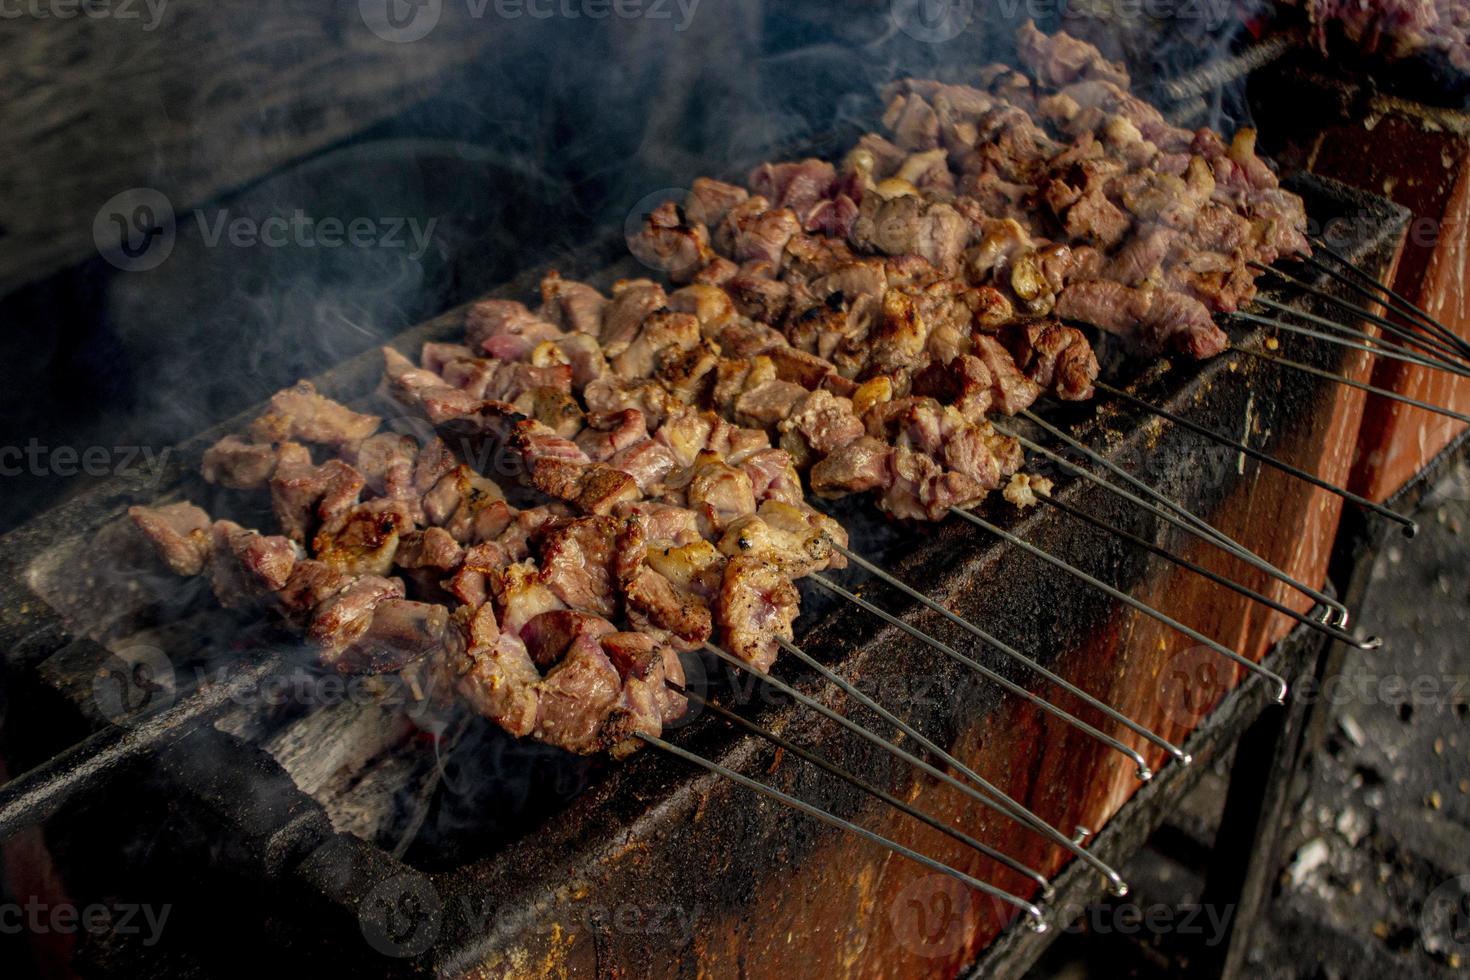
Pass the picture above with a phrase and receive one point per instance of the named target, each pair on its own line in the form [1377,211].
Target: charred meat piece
[1060,59]
[1011,390]
[345,618]
[300,413]
[304,495]
[710,200]
[857,467]
[499,680]
[364,539]
[1057,358]
[574,306]
[240,465]
[792,537]
[672,607]
[246,565]
[718,493]
[180,533]
[576,697]
[671,243]
[548,635]
[576,562]
[402,632]
[504,329]
[439,401]
[632,302]
[756,604]
[1156,319]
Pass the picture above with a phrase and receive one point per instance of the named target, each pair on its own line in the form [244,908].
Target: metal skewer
[1141,766]
[1406,307]
[1342,636]
[1019,812]
[1409,525]
[1435,350]
[1037,920]
[991,798]
[1426,353]
[1351,383]
[1198,524]
[1373,345]
[1015,654]
[1279,697]
[1418,339]
[827,766]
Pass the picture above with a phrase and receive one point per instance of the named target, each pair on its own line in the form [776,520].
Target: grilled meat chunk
[300,413]
[180,533]
[756,604]
[240,465]
[1156,319]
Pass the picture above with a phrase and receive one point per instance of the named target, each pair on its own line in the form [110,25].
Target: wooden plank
[213,95]
[1418,157]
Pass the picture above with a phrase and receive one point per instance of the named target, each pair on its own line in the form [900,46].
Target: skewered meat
[300,413]
[179,532]
[1157,318]
[756,604]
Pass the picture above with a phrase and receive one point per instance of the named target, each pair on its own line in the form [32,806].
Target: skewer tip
[1184,759]
[1371,643]
[1411,529]
[1144,774]
[1281,691]
[1037,922]
[1118,886]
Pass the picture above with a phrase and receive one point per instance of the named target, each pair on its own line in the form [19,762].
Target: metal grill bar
[1124,597]
[1410,527]
[1036,919]
[1141,766]
[1015,654]
[831,768]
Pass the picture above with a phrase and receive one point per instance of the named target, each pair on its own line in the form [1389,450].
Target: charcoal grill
[653,867]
